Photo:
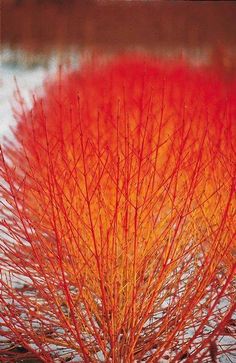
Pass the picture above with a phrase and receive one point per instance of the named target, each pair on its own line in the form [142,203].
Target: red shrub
[118,203]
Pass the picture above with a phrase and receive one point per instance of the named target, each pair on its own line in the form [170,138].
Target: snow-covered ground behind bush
[17,70]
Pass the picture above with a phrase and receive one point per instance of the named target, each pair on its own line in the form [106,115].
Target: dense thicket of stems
[117,216]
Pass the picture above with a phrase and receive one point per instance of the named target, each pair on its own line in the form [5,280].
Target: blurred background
[203,31]
[37,35]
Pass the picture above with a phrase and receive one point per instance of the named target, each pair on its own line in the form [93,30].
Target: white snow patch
[14,70]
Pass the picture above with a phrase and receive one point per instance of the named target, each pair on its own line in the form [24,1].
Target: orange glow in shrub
[119,208]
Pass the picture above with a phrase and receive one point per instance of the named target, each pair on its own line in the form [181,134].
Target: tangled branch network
[118,216]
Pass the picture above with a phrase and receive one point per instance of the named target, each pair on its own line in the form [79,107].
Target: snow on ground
[29,76]
[27,80]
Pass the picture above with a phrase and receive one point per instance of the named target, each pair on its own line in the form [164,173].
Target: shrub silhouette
[117,216]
